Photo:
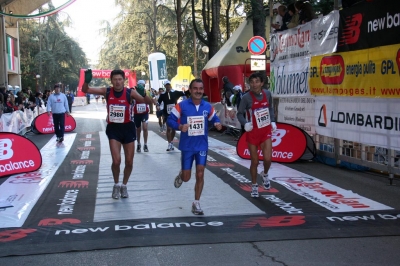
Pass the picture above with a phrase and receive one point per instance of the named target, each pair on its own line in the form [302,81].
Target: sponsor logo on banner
[374,122]
[369,24]
[290,79]
[363,120]
[273,221]
[332,69]
[372,73]
[298,111]
[327,195]
[86,148]
[325,31]
[13,156]
[54,221]
[283,147]
[291,44]
[73,184]
[82,162]
[144,226]
[44,123]
[12,235]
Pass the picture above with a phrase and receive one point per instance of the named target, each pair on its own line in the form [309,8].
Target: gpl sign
[257,45]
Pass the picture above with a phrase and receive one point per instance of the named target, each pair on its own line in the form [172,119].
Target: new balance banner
[44,123]
[14,158]
[289,144]
[369,24]
[369,73]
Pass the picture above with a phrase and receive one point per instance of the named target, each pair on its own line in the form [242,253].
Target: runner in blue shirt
[192,117]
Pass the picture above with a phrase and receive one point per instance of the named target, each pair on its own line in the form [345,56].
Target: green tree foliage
[47,50]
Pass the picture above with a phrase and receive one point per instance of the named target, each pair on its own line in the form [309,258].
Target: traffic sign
[257,45]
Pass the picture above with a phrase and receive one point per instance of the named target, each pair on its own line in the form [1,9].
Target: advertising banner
[13,156]
[289,144]
[298,111]
[290,78]
[44,124]
[369,24]
[374,122]
[290,44]
[370,73]
[324,32]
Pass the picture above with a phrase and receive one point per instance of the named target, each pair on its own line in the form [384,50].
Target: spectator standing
[294,21]
[227,90]
[286,17]
[70,98]
[57,104]
[305,10]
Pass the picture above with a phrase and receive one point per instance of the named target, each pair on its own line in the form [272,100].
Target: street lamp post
[37,82]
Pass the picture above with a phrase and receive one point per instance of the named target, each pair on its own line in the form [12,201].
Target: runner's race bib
[116,114]
[262,117]
[196,125]
[141,108]
[170,107]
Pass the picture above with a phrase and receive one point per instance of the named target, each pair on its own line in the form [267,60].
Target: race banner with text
[290,44]
[369,24]
[298,111]
[290,78]
[373,122]
[364,73]
[324,32]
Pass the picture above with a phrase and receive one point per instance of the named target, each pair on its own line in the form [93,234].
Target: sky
[86,16]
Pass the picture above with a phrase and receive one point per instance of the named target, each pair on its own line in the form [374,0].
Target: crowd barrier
[19,121]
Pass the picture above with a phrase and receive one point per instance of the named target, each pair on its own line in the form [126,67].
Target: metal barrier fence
[377,158]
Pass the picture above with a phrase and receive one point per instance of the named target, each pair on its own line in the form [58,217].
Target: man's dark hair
[56,86]
[257,75]
[195,80]
[225,79]
[117,72]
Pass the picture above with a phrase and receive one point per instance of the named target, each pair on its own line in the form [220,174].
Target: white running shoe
[266,183]
[169,147]
[196,208]
[124,192]
[178,180]
[116,191]
[254,191]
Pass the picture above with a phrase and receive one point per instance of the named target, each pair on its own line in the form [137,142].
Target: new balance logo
[5,149]
[89,148]
[273,221]
[351,30]
[51,221]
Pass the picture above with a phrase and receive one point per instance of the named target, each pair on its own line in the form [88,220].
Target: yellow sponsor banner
[373,73]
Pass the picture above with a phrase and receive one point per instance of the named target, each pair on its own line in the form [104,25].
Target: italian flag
[10,53]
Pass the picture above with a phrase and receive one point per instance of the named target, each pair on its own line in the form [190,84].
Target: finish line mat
[74,211]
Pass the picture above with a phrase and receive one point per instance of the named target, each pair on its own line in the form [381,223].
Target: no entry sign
[257,45]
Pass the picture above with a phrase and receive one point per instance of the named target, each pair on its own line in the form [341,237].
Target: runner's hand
[273,125]
[248,126]
[88,76]
[218,126]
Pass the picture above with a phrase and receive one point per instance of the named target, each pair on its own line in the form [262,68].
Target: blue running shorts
[187,158]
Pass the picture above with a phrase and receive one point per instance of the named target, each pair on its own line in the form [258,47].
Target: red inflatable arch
[105,74]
